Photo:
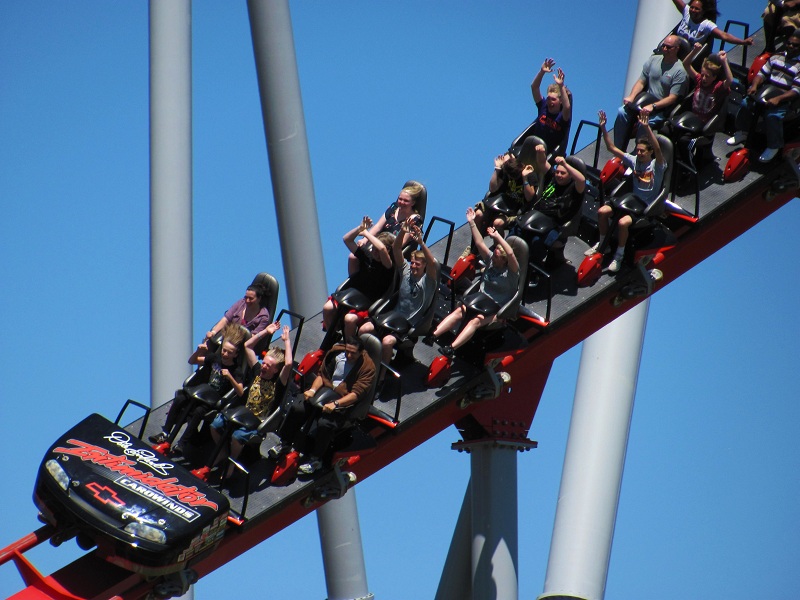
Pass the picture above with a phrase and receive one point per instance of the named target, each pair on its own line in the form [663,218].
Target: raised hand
[548,64]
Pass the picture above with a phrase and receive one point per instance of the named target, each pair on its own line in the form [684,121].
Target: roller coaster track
[725,212]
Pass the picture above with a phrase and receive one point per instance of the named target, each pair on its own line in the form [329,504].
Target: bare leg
[622,235]
[449,321]
[328,314]
[470,328]
[387,348]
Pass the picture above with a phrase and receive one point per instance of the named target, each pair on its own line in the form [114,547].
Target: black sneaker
[177,449]
[158,438]
[447,351]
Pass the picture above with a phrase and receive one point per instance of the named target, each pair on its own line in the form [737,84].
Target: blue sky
[423,90]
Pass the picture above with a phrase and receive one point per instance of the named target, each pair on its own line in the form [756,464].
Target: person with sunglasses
[782,71]
[663,77]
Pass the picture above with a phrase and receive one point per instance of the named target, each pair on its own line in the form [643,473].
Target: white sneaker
[768,155]
[592,250]
[615,264]
[310,467]
[739,137]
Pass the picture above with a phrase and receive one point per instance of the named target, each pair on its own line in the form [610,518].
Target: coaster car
[143,513]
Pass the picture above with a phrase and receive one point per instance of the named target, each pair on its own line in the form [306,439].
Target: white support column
[298,226]
[170,195]
[456,580]
[580,549]
[494,521]
[591,481]
[171,307]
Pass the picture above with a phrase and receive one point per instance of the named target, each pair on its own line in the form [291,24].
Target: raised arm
[383,251]
[536,84]
[644,125]
[255,340]
[566,105]
[349,238]
[397,247]
[602,120]
[542,164]
[497,178]
[483,250]
[513,265]
[430,261]
[288,359]
[726,67]
[198,357]
[528,189]
[679,4]
[578,178]
[687,62]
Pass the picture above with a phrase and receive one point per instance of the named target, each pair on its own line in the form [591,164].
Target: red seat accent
[590,270]
[439,372]
[286,469]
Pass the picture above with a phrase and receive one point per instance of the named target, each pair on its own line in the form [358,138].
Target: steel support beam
[303,265]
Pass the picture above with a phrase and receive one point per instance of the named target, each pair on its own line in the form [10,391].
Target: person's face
[417,266]
[643,153]
[670,48]
[228,352]
[553,102]
[562,175]
[404,200]
[793,46]
[696,11]
[269,366]
[706,77]
[250,297]
[350,352]
[499,259]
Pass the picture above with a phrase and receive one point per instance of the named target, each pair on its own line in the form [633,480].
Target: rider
[555,110]
[782,71]
[664,77]
[267,381]
[344,380]
[417,284]
[499,283]
[648,166]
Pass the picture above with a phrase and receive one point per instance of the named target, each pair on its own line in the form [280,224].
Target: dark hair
[354,341]
[512,168]
[257,289]
[710,11]
[646,143]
